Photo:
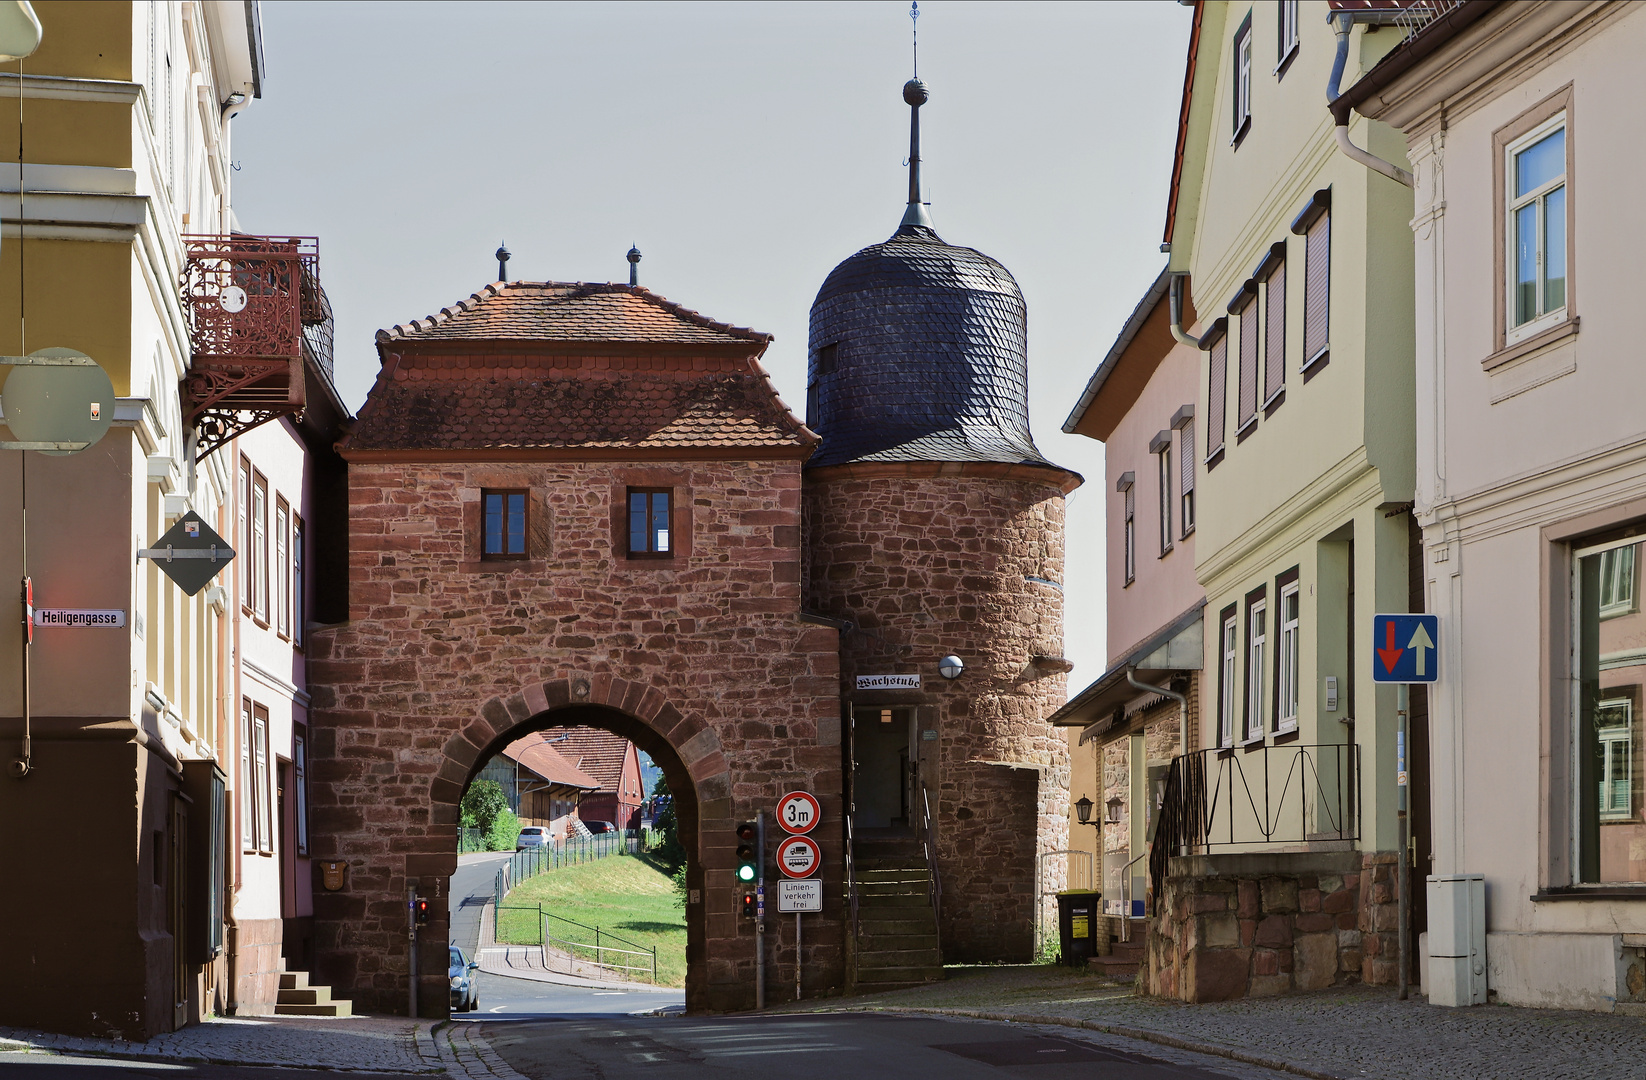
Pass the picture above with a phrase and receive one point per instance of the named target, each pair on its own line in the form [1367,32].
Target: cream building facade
[1531,481]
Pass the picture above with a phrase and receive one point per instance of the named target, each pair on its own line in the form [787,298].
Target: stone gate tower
[934,528]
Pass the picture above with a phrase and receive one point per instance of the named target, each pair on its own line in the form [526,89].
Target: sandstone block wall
[926,560]
[700,658]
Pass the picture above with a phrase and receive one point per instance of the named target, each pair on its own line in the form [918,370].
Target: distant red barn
[610,761]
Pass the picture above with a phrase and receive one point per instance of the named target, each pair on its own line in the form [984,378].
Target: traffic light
[420,908]
[748,905]
[748,867]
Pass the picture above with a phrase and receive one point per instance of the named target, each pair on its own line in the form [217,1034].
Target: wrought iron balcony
[254,306]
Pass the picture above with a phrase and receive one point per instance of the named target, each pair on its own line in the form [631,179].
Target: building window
[1166,495]
[1608,829]
[300,782]
[243,534]
[1244,306]
[1274,326]
[1314,224]
[650,530]
[1186,466]
[1226,683]
[260,547]
[1288,35]
[1537,228]
[1242,79]
[248,797]
[298,614]
[282,567]
[503,514]
[823,363]
[260,778]
[1126,485]
[1217,388]
[1287,658]
[1257,651]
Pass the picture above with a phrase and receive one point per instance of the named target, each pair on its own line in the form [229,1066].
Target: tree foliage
[504,833]
[481,804]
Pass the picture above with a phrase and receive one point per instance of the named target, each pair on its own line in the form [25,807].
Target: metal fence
[527,864]
[470,840]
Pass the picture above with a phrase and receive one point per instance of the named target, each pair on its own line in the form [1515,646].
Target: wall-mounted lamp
[1083,811]
[950,667]
[1112,810]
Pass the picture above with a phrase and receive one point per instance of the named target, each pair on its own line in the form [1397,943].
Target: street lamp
[950,667]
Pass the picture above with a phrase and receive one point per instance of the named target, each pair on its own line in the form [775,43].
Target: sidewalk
[1344,1034]
[381,1043]
[528,962]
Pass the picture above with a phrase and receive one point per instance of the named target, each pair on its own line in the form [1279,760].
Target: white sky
[746,149]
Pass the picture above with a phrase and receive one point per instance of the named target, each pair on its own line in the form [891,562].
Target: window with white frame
[1242,70]
[300,782]
[297,584]
[1288,33]
[1186,460]
[282,567]
[1617,582]
[1286,681]
[1226,683]
[1165,470]
[1257,651]
[248,799]
[260,779]
[243,533]
[260,548]
[1536,190]
[1127,487]
[1614,734]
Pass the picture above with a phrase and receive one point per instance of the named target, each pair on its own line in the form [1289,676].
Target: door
[177,896]
[882,767]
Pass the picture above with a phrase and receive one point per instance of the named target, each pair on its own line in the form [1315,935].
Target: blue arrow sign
[1405,648]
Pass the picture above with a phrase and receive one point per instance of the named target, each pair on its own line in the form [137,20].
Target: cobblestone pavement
[465,1054]
[1340,1034]
[353,1043]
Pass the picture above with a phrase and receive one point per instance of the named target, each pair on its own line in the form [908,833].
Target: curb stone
[1142,1034]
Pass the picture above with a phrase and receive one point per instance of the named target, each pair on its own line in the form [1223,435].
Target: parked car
[532,836]
[465,994]
[600,828]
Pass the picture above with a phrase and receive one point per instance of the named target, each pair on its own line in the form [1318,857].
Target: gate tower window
[650,531]
[504,517]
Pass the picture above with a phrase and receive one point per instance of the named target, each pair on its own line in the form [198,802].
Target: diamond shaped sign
[190,553]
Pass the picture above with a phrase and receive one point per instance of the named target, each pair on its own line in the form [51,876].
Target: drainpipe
[1177,332]
[1341,24]
[1182,704]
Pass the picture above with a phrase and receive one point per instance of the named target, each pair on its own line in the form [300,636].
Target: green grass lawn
[626,895]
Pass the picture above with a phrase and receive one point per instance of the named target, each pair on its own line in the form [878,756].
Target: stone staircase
[897,943]
[1124,959]
[298,998]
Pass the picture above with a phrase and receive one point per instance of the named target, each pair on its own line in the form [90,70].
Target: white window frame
[1617,579]
[1575,702]
[1288,33]
[1225,720]
[260,547]
[1286,692]
[1257,655]
[260,779]
[248,788]
[1165,464]
[1608,750]
[1513,333]
[300,793]
[282,567]
[297,585]
[1243,80]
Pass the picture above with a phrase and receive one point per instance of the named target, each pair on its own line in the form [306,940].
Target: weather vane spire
[915,93]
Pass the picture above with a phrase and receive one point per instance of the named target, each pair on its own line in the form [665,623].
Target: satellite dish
[58,403]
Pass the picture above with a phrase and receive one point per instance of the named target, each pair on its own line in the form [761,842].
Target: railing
[470,840]
[523,865]
[1126,892]
[599,949]
[928,843]
[1233,798]
[851,879]
[1071,858]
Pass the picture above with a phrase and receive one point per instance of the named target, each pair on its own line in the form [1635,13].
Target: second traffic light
[748,857]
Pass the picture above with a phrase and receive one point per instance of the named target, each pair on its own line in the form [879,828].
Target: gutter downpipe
[1182,706]
[1341,24]
[1177,325]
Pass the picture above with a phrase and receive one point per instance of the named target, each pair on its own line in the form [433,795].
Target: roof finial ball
[915,93]
[503,261]
[634,265]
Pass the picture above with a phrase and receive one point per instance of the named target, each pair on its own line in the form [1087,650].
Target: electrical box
[1331,693]
[1457,939]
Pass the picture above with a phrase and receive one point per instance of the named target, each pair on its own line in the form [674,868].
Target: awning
[1176,648]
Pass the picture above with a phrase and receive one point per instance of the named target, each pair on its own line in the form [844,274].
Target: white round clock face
[233,299]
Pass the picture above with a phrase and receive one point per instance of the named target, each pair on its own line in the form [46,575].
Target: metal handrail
[851,878]
[599,947]
[1126,893]
[928,843]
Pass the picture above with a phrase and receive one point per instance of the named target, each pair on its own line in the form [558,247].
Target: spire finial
[914,18]
[634,264]
[915,93]
[503,261]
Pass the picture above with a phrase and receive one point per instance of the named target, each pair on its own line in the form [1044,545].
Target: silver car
[532,836]
[465,994]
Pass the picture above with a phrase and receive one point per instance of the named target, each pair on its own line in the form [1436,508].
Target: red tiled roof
[565,311]
[598,753]
[534,753]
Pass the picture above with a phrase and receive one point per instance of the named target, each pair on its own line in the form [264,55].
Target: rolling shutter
[1248,365]
[1317,288]
[1274,354]
[1186,460]
[1215,405]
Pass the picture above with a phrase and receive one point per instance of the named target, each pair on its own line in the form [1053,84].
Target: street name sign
[888,682]
[798,896]
[798,812]
[113,618]
[190,553]
[1405,648]
[798,857]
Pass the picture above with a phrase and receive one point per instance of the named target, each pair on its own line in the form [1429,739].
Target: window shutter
[1248,365]
[1317,287]
[1186,460]
[1274,359]
[1215,405]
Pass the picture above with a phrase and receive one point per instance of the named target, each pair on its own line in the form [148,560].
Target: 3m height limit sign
[1405,648]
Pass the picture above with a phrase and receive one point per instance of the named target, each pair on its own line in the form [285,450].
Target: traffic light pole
[411,949]
[760,910]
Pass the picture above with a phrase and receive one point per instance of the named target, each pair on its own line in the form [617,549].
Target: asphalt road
[471,887]
[515,1000]
[43,1067]
[827,1047]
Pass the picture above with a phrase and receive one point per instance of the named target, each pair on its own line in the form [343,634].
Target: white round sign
[798,857]
[798,812]
[232,299]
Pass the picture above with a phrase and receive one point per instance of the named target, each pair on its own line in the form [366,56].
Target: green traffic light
[745,872]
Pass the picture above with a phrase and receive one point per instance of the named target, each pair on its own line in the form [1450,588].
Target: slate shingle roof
[568,311]
[931,357]
[487,398]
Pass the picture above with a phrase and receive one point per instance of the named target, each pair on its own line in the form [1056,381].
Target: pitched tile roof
[486,399]
[598,753]
[568,311]
[534,752]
